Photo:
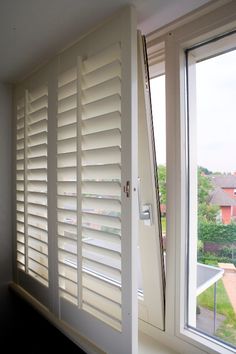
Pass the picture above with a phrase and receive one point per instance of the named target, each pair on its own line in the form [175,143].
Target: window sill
[148,345]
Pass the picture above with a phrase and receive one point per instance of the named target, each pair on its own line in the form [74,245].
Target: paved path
[229,280]
[205,321]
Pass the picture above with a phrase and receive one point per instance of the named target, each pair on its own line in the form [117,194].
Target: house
[69,159]
[224,195]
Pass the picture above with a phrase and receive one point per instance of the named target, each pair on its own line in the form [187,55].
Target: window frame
[201,25]
[152,300]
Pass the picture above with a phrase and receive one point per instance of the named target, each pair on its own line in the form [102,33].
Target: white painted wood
[192,191]
[150,238]
[33,236]
[92,261]
[104,308]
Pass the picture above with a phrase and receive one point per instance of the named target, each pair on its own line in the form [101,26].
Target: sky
[216,113]
[159,117]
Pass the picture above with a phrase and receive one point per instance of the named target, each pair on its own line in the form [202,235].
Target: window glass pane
[157,86]
[212,184]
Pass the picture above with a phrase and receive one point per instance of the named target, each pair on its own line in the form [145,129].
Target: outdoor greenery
[162,183]
[209,230]
[227,330]
[163,224]
[223,236]
[223,239]
[220,234]
[216,232]
[206,211]
[214,259]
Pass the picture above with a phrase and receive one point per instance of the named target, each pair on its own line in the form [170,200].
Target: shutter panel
[36,184]
[96,244]
[67,152]
[101,176]
[31,189]
[20,184]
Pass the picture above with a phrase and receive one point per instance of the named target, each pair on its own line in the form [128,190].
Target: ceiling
[32,31]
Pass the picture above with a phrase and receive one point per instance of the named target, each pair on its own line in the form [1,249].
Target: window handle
[145,211]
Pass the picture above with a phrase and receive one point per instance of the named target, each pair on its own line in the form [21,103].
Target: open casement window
[151,277]
[96,178]
[31,189]
[204,61]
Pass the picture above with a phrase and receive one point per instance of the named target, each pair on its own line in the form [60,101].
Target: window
[182,264]
[151,294]
[211,90]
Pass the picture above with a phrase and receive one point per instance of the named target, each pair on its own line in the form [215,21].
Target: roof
[163,208]
[219,197]
[224,181]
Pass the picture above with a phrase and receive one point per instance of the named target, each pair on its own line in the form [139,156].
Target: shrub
[218,233]
[212,259]
[229,252]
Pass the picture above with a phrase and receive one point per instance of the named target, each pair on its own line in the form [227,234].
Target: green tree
[204,186]
[161,170]
[204,170]
[206,211]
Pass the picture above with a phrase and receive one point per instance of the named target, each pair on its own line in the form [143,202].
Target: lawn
[227,330]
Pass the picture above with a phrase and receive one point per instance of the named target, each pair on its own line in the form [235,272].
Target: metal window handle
[145,211]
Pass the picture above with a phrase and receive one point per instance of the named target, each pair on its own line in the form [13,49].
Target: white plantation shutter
[36,184]
[94,165]
[76,182]
[31,190]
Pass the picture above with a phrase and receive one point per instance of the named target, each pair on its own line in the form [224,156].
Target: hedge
[218,233]
[212,259]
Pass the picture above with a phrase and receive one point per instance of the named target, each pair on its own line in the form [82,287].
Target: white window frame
[201,25]
[151,302]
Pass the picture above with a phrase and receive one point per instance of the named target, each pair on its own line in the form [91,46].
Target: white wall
[5,198]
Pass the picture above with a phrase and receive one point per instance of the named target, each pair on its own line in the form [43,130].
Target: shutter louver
[36,184]
[101,185]
[67,227]
[20,184]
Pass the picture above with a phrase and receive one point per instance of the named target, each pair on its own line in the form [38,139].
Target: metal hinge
[127,189]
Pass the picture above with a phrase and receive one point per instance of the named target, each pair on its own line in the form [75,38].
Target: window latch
[145,211]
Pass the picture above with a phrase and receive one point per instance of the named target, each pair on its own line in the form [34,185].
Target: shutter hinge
[127,189]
